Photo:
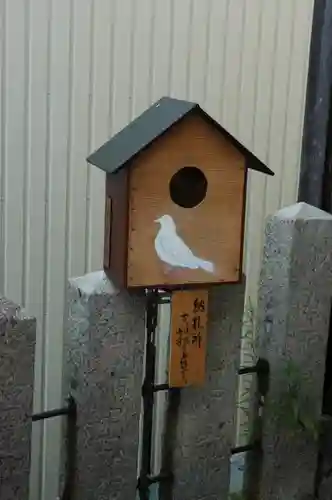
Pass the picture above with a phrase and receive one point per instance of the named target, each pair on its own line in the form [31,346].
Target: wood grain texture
[108,232]
[117,247]
[188,338]
[213,230]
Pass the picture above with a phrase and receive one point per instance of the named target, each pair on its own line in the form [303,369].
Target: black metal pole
[147,394]
[71,452]
[50,414]
[169,441]
[318,97]
[165,476]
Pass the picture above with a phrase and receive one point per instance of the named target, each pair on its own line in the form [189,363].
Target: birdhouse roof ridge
[153,123]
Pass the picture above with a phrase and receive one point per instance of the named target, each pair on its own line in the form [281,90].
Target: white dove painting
[172,250]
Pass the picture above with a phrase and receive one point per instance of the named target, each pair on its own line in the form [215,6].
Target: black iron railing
[149,388]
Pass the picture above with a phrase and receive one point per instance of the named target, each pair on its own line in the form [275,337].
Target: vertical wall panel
[162,43]
[249,68]
[102,23]
[58,127]
[278,108]
[14,145]
[261,127]
[122,85]
[75,71]
[232,64]
[248,85]
[216,57]
[79,134]
[180,63]
[198,56]
[2,141]
[295,101]
[36,157]
[142,56]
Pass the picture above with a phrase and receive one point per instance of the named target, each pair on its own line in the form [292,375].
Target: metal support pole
[147,394]
[149,388]
[169,440]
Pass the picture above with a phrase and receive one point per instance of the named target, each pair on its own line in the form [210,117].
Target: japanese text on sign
[188,340]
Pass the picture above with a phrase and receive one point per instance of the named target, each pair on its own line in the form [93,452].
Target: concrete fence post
[17,352]
[293,323]
[206,427]
[103,367]
[104,359]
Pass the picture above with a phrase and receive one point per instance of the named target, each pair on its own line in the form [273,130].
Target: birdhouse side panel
[172,242]
[116,227]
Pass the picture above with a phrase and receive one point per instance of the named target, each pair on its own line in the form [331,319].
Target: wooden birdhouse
[175,199]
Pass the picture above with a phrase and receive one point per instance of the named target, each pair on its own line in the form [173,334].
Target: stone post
[104,347]
[293,323]
[206,422]
[17,350]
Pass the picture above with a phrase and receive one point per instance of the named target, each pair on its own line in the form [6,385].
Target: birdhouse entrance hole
[188,187]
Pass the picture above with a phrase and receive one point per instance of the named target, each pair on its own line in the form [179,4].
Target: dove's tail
[207,266]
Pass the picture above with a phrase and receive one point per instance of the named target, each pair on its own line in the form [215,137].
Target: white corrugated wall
[75,71]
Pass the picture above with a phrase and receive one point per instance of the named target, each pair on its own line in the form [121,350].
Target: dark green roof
[155,121]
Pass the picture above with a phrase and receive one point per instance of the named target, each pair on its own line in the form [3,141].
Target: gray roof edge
[98,157]
[253,162]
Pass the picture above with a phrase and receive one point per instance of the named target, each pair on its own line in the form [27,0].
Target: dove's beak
[157,220]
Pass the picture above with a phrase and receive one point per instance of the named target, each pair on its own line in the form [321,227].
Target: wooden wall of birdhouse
[182,220]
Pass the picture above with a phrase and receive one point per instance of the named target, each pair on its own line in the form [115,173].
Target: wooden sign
[188,338]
